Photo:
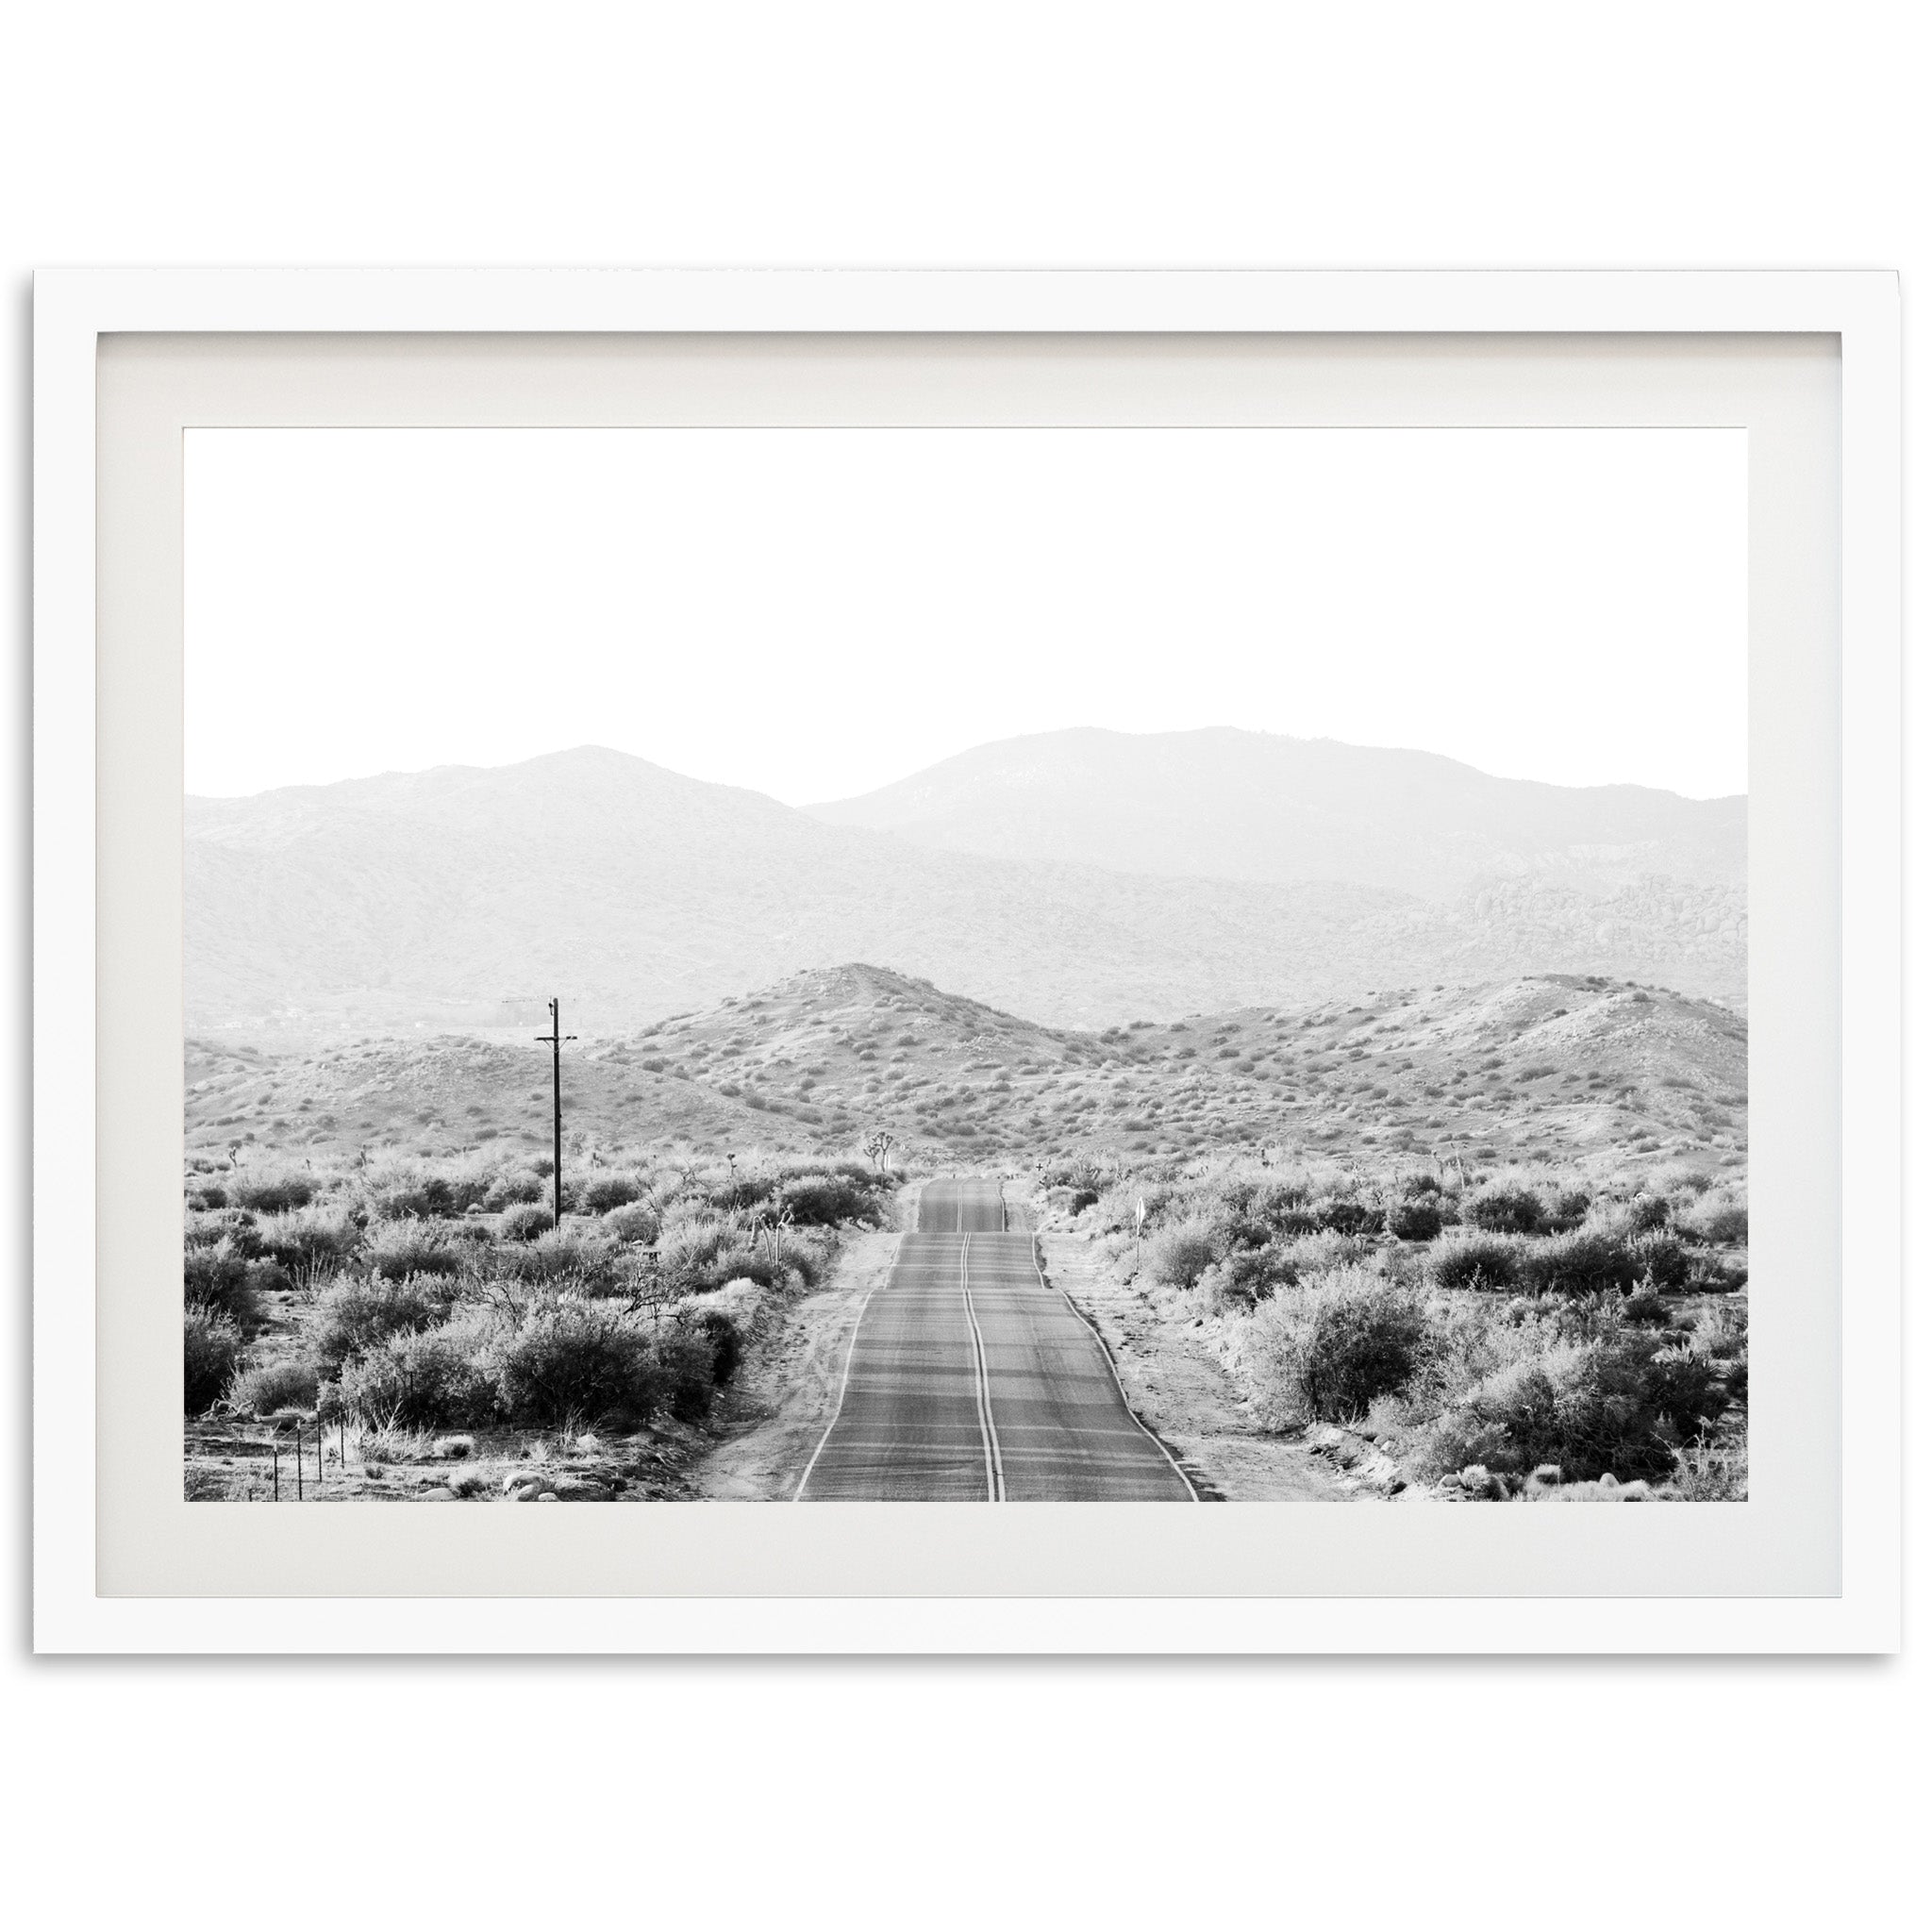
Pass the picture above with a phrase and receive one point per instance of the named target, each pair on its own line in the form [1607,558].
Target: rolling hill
[454,897]
[1544,1067]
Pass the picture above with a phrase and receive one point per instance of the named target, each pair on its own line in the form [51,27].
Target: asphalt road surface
[969,1379]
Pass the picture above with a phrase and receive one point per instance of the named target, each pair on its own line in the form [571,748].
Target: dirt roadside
[1184,1398]
[788,1387]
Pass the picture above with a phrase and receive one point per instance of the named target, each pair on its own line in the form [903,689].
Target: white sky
[814,612]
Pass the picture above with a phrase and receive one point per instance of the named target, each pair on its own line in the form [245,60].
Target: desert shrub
[1330,1347]
[770,1262]
[1680,1178]
[1645,1307]
[1643,1213]
[1245,1278]
[1324,1250]
[1568,1211]
[1345,1214]
[727,1344]
[1415,1217]
[1709,1270]
[401,1248]
[270,1194]
[1177,1257]
[307,1238]
[353,1315]
[636,1222]
[1500,1208]
[419,1379]
[739,1191]
[689,1250]
[823,1200]
[797,1258]
[400,1190]
[210,1347]
[1720,1331]
[1587,1262]
[1475,1260]
[684,1362]
[738,1300]
[580,1257]
[1414,1186]
[515,1186]
[525,1222]
[856,1172]
[283,1382]
[1619,1405]
[218,1281]
[575,1357]
[413,1197]
[235,1226]
[1660,1261]
[269,1277]
[1283,1206]
[1716,1220]
[1243,1232]
[604,1191]
[1072,1172]
[1710,1470]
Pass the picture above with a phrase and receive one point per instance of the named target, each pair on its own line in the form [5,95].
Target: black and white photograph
[966,964]
[811,768]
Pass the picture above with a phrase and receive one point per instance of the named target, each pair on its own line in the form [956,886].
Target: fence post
[298,1462]
[274,1449]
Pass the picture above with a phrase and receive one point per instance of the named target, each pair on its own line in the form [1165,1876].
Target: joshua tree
[877,1145]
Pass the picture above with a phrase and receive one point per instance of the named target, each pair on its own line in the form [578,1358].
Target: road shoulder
[787,1390]
[1183,1395]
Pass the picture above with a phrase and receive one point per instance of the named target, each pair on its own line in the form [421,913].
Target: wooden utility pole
[554,1040]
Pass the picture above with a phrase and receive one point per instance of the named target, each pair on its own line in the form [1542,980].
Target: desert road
[969,1379]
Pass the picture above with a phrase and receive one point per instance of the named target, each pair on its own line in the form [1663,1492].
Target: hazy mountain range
[1077,878]
[1272,811]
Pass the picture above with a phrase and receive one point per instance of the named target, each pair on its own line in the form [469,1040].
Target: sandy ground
[1184,1398]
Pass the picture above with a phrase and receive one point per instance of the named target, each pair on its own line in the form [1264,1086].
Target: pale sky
[815,612]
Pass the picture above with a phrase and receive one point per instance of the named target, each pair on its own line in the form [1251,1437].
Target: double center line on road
[1019,1402]
[995,1469]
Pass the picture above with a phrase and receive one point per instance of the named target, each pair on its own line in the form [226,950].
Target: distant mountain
[459,896]
[1254,806]
[1544,1067]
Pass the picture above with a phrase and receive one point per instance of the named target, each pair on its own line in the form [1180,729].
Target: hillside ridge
[1582,1066]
